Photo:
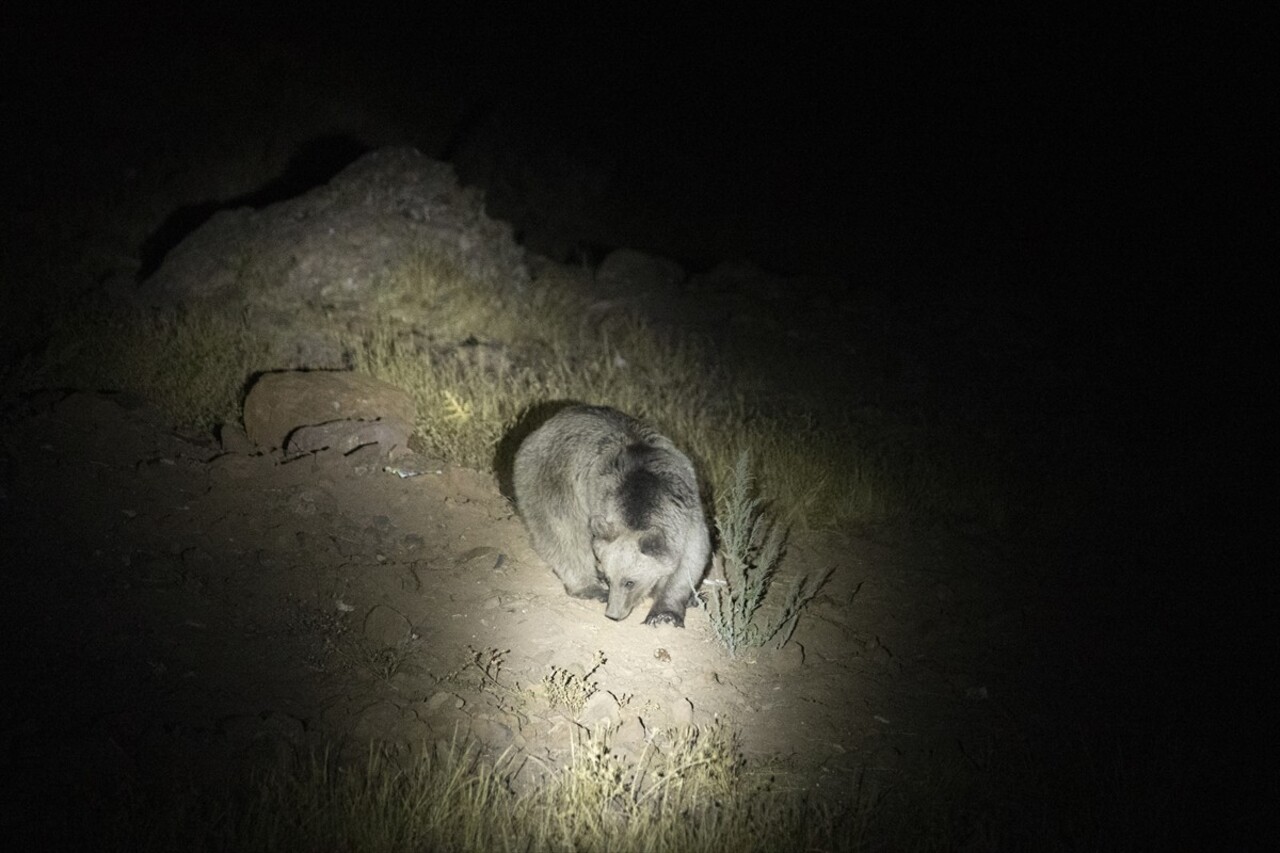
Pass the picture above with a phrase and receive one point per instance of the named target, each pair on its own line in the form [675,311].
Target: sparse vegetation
[690,790]
[823,466]
[191,364]
[474,355]
[383,662]
[570,690]
[752,546]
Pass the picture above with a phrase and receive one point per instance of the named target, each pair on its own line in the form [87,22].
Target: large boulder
[334,246]
[310,410]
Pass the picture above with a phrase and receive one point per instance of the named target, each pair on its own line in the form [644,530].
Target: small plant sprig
[384,662]
[752,546]
[488,664]
[570,690]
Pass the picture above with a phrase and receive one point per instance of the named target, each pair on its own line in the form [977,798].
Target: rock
[281,403]
[628,272]
[386,627]
[247,727]
[233,439]
[600,706]
[481,557]
[337,244]
[233,467]
[406,463]
[386,721]
[490,732]
[791,655]
[442,699]
[346,436]
[309,500]
[630,732]
[367,459]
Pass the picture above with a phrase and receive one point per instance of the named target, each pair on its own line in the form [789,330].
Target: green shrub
[752,546]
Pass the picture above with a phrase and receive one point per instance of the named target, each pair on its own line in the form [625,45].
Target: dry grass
[475,354]
[820,468]
[690,790]
[192,365]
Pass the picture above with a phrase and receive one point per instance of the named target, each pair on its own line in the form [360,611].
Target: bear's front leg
[670,603]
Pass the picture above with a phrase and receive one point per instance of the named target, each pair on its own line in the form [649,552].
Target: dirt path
[181,609]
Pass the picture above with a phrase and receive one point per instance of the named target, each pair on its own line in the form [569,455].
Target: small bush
[752,546]
[570,690]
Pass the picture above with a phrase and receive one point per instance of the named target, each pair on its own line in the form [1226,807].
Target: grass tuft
[192,365]
[570,690]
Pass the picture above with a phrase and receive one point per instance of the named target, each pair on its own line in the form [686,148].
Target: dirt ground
[182,609]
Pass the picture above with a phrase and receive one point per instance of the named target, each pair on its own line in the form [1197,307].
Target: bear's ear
[653,544]
[601,529]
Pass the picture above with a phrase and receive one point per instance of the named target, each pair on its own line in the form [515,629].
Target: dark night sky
[925,146]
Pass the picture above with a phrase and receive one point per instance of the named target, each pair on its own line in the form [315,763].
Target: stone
[233,439]
[629,272]
[346,436]
[599,707]
[278,404]
[386,627]
[335,246]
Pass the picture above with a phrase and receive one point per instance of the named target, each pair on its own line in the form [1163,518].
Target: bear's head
[631,563]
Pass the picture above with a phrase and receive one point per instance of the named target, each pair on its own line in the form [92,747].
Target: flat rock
[386,626]
[281,403]
[346,436]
